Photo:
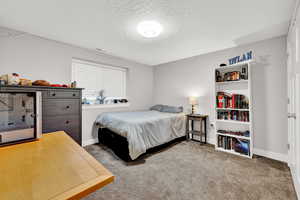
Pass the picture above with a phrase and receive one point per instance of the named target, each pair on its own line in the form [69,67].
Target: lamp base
[193,109]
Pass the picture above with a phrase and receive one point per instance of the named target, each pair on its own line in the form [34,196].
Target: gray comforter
[144,129]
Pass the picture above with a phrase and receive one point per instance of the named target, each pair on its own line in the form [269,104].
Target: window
[94,77]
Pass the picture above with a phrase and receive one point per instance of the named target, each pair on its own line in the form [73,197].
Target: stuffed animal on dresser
[11,79]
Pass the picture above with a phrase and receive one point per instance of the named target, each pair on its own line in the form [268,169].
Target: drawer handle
[53,94]
[74,95]
[67,122]
[67,107]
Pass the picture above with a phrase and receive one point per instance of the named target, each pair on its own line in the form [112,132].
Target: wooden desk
[55,167]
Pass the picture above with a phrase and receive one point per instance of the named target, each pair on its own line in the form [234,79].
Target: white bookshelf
[231,121]
[232,152]
[236,136]
[242,87]
[239,109]
[232,82]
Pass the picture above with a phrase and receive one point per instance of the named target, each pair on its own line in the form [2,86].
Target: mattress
[144,129]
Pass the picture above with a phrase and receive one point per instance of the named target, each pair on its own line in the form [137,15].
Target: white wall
[175,81]
[37,58]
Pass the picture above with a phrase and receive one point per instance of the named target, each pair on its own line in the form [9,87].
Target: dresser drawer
[69,123]
[63,94]
[54,107]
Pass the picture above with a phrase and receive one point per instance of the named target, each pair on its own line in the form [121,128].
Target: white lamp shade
[193,100]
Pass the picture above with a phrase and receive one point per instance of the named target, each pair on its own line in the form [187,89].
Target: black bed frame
[119,144]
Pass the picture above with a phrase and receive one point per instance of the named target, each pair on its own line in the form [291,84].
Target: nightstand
[202,129]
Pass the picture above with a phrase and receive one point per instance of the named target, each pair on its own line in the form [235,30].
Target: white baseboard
[89,142]
[296,182]
[272,155]
[211,140]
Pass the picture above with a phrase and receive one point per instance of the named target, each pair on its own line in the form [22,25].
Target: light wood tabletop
[53,167]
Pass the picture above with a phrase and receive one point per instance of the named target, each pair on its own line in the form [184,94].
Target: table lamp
[193,101]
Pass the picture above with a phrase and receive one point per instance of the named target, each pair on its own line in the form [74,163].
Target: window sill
[103,106]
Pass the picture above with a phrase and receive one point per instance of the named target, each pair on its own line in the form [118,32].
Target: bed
[134,133]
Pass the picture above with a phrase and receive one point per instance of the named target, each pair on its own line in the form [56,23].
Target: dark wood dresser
[61,108]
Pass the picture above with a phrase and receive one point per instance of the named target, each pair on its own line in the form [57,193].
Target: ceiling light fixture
[149,29]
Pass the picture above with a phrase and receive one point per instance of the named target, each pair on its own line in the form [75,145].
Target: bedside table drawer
[195,118]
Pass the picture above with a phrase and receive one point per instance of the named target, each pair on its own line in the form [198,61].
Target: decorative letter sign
[244,57]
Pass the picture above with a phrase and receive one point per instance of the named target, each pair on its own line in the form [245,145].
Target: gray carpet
[188,171]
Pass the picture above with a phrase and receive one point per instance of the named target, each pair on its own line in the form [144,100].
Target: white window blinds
[94,77]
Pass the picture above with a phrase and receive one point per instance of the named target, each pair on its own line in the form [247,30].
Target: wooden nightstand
[203,129]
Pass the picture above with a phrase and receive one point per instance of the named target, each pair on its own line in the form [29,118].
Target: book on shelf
[235,115]
[234,144]
[226,100]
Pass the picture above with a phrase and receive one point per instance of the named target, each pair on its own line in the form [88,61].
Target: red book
[230,103]
[233,101]
[220,101]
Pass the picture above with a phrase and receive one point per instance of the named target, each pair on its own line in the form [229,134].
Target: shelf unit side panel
[250,108]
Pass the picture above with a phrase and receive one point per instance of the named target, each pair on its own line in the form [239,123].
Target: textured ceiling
[9,33]
[149,7]
[191,27]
